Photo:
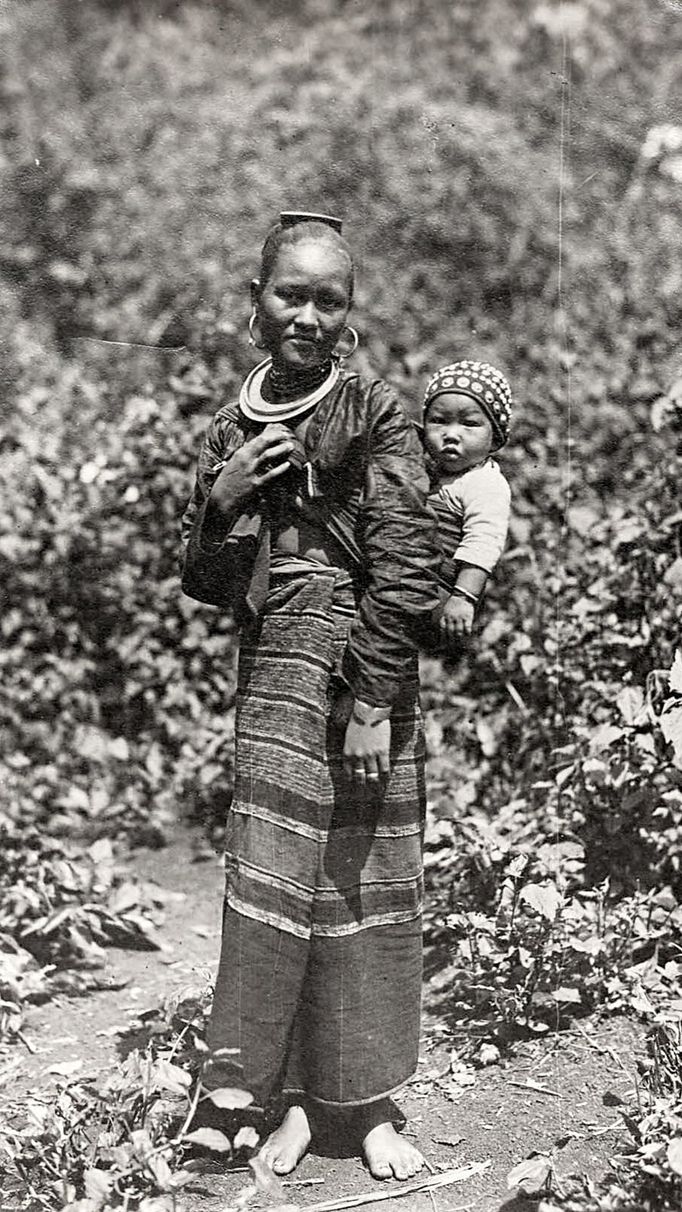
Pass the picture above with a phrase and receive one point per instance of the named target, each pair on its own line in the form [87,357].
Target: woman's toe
[380,1167]
[416,1162]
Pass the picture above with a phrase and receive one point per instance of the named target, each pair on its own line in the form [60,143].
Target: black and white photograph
[340,605]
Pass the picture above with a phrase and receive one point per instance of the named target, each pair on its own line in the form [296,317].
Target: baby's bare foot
[285,1147]
[388,1155]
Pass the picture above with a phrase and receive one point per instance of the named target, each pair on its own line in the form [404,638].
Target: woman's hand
[367,744]
[252,466]
[457,618]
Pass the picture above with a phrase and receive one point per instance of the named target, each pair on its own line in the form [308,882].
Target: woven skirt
[319,984]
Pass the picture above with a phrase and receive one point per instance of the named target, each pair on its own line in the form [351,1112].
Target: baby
[466,413]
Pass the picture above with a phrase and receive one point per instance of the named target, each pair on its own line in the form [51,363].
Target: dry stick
[286,1182]
[26,1042]
[427,1184]
[432,1170]
[604,1049]
[535,1089]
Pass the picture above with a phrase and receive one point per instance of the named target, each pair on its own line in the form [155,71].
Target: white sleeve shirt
[482,498]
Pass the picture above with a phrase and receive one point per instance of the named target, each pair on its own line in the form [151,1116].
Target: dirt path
[585,1075]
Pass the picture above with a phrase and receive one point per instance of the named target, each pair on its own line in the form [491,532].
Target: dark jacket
[370,491]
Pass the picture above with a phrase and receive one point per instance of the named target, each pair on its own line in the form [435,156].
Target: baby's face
[457,433]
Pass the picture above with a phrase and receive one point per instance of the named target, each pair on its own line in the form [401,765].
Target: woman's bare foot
[285,1147]
[387,1154]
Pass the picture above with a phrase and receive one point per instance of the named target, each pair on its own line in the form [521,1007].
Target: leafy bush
[128,1144]
[58,912]
[117,692]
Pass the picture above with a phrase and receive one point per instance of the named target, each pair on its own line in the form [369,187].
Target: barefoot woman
[318,992]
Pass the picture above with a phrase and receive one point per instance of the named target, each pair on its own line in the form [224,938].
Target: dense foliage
[510,176]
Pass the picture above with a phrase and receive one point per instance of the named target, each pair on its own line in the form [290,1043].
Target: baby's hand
[457,618]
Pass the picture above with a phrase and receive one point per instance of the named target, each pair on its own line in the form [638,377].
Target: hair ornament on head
[301,225]
[289,218]
[483,383]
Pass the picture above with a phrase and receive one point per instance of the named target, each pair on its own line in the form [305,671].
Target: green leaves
[671,727]
[533,1176]
[631,704]
[230,1099]
[674,1154]
[671,714]
[58,909]
[171,1077]
[210,1138]
[98,1185]
[544,899]
[132,1130]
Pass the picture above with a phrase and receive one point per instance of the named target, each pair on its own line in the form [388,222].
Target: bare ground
[585,1074]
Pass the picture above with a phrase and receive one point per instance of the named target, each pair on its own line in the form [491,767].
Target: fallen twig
[459,1175]
[535,1088]
[431,1169]
[603,1049]
[616,1127]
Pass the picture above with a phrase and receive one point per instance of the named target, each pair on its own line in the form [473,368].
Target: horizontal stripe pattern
[306,850]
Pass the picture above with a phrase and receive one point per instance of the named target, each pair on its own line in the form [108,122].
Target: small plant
[649,1176]
[128,1144]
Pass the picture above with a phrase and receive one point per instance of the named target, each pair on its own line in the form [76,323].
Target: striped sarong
[319,983]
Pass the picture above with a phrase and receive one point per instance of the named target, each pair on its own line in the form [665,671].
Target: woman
[315,481]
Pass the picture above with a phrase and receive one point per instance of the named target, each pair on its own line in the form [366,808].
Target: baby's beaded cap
[486,385]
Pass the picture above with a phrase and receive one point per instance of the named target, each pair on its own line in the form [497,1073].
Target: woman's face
[302,308]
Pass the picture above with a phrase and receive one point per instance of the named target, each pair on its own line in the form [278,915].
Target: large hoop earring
[253,320]
[348,353]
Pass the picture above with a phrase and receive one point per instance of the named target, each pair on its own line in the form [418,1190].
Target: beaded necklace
[254,405]
[295,383]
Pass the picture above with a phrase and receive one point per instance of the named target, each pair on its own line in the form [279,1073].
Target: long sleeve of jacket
[205,562]
[397,532]
[222,438]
